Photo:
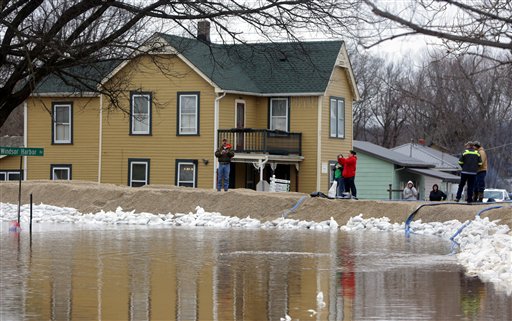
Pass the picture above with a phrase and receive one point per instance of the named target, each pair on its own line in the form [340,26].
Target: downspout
[100,138]
[216,135]
[319,144]
[25,138]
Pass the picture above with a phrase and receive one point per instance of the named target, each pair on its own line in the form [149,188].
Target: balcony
[265,141]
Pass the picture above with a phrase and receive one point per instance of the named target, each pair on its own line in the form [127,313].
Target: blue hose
[454,243]
[411,216]
[294,208]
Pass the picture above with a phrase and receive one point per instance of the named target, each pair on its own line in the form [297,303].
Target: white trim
[271,116]
[146,163]
[133,120]
[100,139]
[54,121]
[25,138]
[319,145]
[241,101]
[66,168]
[66,94]
[248,93]
[216,106]
[196,113]
[194,183]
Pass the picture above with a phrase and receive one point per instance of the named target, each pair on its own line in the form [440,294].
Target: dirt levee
[90,197]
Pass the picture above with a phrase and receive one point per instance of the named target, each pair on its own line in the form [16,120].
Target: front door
[240,123]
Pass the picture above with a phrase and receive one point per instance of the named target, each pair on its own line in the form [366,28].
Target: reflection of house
[285,105]
[379,167]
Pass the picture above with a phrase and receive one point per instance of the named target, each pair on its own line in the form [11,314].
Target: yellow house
[285,107]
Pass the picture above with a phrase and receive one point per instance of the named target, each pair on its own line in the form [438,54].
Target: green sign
[21,151]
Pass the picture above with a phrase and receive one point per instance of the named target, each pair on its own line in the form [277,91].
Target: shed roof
[441,160]
[389,155]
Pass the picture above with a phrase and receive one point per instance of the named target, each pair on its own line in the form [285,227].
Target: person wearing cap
[478,193]
[470,161]
[410,193]
[224,154]
[349,172]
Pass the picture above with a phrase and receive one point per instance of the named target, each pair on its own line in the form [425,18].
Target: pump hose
[455,243]
[411,216]
[294,208]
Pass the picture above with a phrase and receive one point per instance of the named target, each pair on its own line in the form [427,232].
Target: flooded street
[101,272]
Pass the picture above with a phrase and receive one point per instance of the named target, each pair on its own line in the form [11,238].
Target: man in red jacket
[349,172]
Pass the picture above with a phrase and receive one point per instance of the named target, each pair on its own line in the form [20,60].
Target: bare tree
[459,24]
[59,37]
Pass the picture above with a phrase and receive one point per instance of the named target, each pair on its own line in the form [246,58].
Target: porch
[256,148]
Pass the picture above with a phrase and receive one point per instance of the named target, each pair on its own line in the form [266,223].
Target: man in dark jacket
[470,161]
[224,154]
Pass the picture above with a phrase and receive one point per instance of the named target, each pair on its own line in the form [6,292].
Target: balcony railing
[275,142]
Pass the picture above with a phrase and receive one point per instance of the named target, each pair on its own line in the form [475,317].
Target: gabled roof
[301,68]
[265,68]
[442,161]
[389,155]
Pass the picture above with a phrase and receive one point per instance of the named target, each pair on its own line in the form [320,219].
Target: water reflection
[90,272]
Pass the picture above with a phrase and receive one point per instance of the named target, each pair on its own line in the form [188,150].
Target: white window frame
[136,116]
[272,117]
[65,168]
[7,174]
[337,117]
[146,176]
[59,106]
[178,171]
[192,130]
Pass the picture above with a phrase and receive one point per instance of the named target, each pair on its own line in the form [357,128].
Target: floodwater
[98,272]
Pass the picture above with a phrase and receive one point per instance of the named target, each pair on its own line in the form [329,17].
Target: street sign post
[20,151]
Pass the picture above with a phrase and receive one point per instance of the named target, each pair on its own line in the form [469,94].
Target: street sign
[21,151]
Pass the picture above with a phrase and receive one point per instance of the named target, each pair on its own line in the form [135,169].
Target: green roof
[78,79]
[294,67]
[263,68]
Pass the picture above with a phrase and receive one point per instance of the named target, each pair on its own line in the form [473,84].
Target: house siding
[82,153]
[304,119]
[373,177]
[163,146]
[331,147]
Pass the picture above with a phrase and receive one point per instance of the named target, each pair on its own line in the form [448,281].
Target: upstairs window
[337,117]
[279,114]
[62,130]
[140,114]
[60,172]
[188,114]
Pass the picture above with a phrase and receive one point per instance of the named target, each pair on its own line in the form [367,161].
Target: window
[138,172]
[62,129]
[188,114]
[60,172]
[10,175]
[279,114]
[140,114]
[337,119]
[186,173]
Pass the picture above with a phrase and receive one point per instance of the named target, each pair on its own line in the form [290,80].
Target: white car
[498,195]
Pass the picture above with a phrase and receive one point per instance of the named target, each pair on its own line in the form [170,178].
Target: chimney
[203,30]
